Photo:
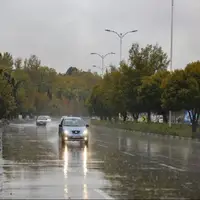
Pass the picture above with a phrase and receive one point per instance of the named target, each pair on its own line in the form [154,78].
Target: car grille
[75,132]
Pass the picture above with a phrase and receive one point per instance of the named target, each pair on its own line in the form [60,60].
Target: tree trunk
[194,127]
[124,115]
[135,116]
[124,118]
[165,118]
[194,117]
[149,116]
[116,119]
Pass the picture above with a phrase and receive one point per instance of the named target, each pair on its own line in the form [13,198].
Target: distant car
[42,120]
[48,118]
[74,129]
[160,120]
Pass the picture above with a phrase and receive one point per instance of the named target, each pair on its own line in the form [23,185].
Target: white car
[63,117]
[48,118]
[73,129]
[42,120]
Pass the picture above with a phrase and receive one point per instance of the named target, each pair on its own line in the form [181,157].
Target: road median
[179,130]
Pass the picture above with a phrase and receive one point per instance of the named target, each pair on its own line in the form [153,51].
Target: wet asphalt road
[118,165]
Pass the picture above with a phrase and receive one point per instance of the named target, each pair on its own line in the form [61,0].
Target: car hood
[67,128]
[41,120]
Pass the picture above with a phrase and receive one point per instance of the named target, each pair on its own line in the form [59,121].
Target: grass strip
[182,130]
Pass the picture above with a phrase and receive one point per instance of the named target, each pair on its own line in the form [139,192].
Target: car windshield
[73,122]
[63,117]
[42,118]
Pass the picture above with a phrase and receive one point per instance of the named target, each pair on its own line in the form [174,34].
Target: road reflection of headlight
[85,161]
[85,191]
[65,159]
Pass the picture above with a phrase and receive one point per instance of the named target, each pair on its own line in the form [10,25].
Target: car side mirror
[87,125]
[60,125]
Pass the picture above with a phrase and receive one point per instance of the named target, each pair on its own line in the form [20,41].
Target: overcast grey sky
[62,33]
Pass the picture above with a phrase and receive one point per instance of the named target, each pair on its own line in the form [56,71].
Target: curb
[153,134]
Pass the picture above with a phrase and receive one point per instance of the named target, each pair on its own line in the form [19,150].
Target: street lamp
[171,50]
[98,68]
[121,36]
[102,58]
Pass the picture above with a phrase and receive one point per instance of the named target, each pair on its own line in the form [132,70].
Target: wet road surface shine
[118,165]
[38,166]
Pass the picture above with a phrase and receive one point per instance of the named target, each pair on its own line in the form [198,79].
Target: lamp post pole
[121,36]
[102,59]
[171,51]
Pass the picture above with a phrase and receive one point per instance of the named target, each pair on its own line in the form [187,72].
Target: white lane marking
[164,165]
[103,194]
[115,176]
[171,167]
[173,198]
[158,189]
[149,168]
[130,154]
[104,134]
[96,161]
[161,164]
[102,141]
[162,156]
[101,145]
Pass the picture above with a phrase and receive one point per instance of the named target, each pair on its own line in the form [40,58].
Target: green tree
[71,70]
[150,93]
[144,62]
[129,83]
[7,102]
[148,60]
[18,63]
[117,97]
[107,96]
[96,102]
[182,91]
[37,89]
[6,60]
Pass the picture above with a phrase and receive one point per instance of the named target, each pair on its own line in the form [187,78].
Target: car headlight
[66,132]
[85,132]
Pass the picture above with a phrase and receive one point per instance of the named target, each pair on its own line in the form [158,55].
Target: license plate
[76,136]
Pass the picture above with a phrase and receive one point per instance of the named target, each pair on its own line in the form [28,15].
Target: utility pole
[171,51]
